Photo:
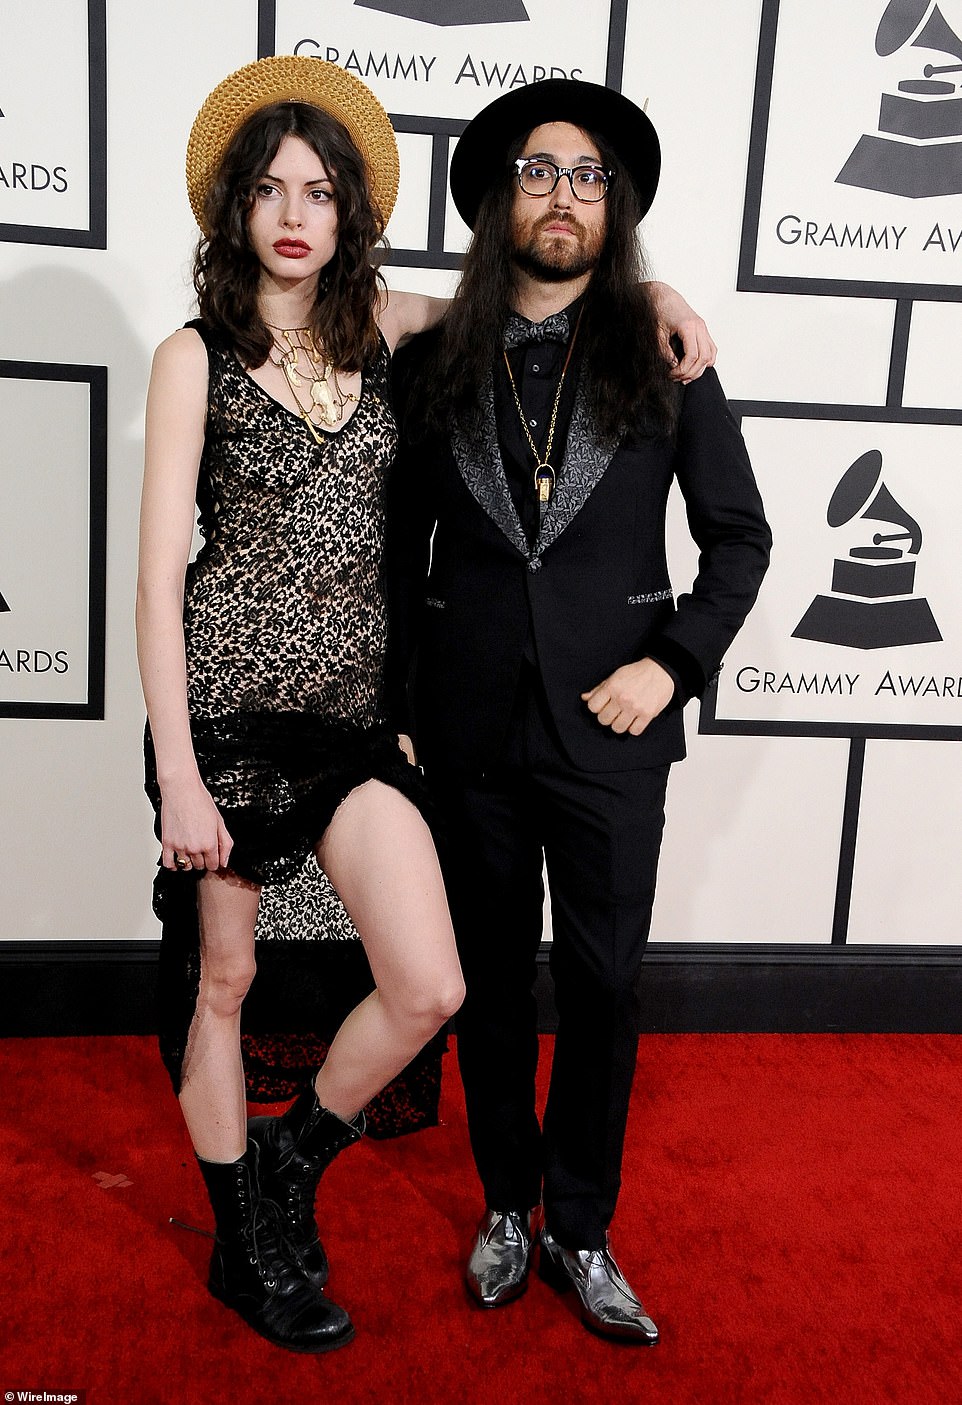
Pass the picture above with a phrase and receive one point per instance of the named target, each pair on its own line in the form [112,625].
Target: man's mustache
[560,217]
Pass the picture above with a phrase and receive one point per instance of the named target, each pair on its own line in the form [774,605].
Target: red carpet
[790,1213]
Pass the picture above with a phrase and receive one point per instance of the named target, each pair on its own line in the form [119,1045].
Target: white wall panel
[754,822]
[751,841]
[908,878]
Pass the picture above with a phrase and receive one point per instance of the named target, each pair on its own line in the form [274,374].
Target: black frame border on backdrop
[748,281]
[441,130]
[95,378]
[95,235]
[708,721]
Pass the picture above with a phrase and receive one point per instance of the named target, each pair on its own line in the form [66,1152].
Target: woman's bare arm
[176,408]
[402,315]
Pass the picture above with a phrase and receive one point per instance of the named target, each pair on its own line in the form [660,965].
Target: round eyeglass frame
[560,171]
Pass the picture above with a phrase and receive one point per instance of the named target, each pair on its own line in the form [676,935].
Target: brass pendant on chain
[328,400]
[544,474]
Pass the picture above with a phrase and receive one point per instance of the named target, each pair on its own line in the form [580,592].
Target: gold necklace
[544,474]
[327,399]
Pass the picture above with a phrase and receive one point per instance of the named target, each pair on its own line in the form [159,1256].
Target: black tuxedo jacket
[466,587]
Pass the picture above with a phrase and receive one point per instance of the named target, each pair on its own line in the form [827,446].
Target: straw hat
[285,78]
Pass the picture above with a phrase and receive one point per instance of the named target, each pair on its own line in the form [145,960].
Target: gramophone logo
[860,194]
[451,12]
[872,604]
[917,151]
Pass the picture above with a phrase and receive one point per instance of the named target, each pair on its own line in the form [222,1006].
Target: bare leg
[212,1094]
[252,1269]
[379,855]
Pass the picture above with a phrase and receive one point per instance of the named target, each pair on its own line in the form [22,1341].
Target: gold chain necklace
[544,474]
[327,399]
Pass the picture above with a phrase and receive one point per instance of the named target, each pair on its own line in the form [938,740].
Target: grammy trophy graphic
[872,605]
[451,12]
[917,151]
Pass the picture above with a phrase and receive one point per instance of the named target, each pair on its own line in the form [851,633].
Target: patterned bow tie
[519,331]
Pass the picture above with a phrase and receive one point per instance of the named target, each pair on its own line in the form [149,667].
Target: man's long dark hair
[626,374]
[227,271]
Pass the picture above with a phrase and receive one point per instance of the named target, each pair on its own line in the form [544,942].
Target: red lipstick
[292,248]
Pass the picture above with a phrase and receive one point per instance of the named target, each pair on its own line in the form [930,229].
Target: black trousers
[598,834]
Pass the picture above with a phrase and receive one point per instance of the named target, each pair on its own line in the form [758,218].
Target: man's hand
[676,318]
[631,697]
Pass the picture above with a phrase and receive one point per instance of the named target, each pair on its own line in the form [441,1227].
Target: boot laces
[268,1242]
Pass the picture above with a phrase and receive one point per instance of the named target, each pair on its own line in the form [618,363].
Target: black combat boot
[255,1271]
[295,1149]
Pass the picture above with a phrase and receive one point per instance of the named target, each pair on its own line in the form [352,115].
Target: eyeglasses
[588,183]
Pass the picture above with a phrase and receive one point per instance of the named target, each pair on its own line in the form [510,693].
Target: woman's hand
[192,828]
[407,746]
[677,319]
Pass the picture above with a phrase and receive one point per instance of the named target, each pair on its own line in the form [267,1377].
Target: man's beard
[556,259]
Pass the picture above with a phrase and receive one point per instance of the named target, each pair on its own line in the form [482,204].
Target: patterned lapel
[476,452]
[475,447]
[585,461]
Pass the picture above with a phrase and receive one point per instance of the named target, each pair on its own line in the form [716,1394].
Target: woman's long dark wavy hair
[227,271]
[626,374]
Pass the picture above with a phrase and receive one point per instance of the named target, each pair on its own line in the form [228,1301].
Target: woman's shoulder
[214,338]
[181,357]
[197,343]
[188,341]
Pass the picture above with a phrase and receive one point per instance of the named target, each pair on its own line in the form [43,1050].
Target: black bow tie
[518,331]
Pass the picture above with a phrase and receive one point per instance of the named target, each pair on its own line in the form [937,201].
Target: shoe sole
[306,1350]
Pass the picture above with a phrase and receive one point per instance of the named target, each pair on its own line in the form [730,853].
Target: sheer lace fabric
[285,625]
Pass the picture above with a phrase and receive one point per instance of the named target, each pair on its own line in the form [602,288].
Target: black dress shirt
[536,367]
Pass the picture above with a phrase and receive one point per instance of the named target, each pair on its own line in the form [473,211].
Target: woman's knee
[450,998]
[443,1000]
[429,1005]
[227,910]
[225,983]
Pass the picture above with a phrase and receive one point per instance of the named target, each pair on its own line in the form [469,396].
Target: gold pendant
[544,482]
[321,397]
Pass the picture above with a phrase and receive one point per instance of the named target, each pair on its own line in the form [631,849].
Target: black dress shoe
[608,1304]
[500,1260]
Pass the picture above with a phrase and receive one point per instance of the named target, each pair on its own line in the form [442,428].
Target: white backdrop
[756,816]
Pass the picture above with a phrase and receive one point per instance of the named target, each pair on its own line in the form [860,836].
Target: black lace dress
[285,625]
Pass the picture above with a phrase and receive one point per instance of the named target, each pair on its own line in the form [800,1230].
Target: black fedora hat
[479,159]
